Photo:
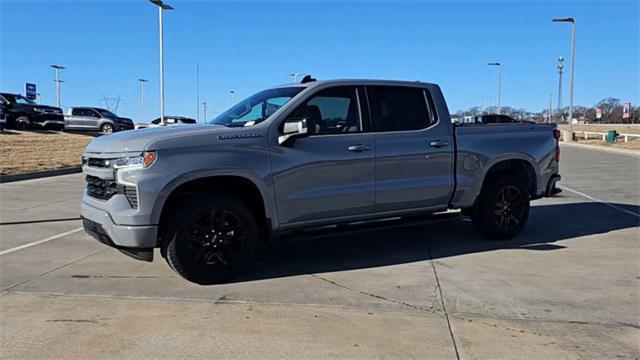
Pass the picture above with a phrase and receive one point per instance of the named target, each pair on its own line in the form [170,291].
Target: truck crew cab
[302,156]
[95,119]
[22,113]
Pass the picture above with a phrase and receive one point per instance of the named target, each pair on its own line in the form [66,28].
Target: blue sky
[246,46]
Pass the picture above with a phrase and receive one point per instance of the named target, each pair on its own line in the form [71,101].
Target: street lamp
[232,94]
[560,66]
[499,65]
[161,7]
[142,81]
[295,76]
[573,63]
[57,69]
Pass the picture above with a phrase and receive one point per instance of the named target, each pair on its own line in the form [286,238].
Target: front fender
[171,186]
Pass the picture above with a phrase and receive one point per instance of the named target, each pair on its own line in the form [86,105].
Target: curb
[602,148]
[40,174]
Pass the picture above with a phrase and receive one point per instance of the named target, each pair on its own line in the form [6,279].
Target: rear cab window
[397,108]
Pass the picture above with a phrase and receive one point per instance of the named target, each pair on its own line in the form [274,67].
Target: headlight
[38,110]
[144,160]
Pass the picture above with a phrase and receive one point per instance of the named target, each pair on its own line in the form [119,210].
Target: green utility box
[611,136]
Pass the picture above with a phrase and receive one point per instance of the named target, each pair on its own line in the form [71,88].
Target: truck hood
[137,140]
[44,107]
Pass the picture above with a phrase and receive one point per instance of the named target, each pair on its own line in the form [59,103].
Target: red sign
[626,110]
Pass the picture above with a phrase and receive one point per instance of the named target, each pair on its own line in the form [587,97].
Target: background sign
[598,113]
[30,91]
[626,110]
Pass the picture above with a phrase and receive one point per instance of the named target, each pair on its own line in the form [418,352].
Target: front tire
[211,238]
[106,128]
[502,209]
[23,123]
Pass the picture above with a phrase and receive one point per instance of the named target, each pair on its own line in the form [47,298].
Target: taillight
[556,135]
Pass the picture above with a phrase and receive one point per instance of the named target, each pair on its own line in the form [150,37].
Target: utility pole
[142,81]
[499,65]
[161,7]
[57,69]
[560,66]
[573,63]
[198,94]
[550,104]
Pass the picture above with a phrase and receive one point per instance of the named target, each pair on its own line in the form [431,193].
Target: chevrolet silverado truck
[22,113]
[305,156]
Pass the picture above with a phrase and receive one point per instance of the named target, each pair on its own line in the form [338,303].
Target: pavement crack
[394,301]
[444,308]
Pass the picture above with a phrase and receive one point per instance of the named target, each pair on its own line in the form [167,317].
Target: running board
[365,226]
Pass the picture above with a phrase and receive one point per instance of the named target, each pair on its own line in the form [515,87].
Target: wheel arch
[245,188]
[514,166]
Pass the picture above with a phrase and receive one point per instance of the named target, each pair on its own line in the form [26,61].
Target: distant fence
[587,134]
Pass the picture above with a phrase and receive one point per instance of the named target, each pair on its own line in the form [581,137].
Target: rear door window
[396,108]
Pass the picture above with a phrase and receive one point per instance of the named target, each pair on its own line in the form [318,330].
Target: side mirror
[293,129]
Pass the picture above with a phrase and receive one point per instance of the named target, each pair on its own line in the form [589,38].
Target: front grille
[101,163]
[105,189]
[101,189]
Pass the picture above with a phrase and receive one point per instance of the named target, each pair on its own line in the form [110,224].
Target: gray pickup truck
[95,119]
[305,156]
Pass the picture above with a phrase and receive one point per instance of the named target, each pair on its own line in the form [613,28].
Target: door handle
[359,148]
[438,143]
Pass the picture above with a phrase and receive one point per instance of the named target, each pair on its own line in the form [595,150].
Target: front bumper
[135,241]
[124,126]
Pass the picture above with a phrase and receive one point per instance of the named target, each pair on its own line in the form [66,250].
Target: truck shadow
[547,225]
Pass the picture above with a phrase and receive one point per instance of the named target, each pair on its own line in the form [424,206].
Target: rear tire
[211,238]
[503,208]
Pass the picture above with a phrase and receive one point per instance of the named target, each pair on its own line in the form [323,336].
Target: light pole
[499,65]
[560,66]
[573,63]
[204,105]
[142,81]
[550,104]
[57,69]
[295,76]
[161,7]
[232,95]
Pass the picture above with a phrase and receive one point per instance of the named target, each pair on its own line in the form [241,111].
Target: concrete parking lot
[567,288]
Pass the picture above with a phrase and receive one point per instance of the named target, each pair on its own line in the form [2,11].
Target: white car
[169,120]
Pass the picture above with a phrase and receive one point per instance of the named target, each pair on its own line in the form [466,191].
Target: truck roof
[355,82]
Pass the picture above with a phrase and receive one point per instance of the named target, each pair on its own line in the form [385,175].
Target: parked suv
[95,119]
[305,156]
[22,113]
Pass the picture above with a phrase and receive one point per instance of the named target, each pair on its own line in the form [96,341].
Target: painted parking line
[8,251]
[613,206]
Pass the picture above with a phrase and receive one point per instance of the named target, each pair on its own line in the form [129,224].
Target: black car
[22,113]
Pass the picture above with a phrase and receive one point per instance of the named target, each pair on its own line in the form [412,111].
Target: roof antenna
[307,79]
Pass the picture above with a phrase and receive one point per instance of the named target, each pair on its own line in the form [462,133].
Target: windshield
[106,113]
[256,108]
[18,99]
